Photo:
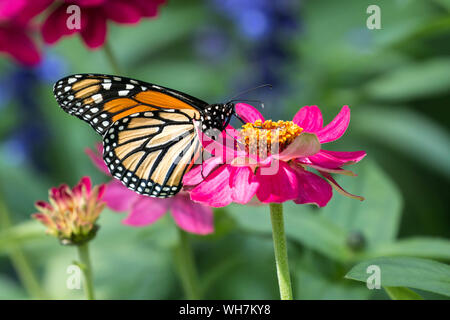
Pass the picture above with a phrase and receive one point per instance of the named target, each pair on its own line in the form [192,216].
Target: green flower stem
[281,257]
[111,58]
[25,273]
[86,268]
[20,261]
[185,263]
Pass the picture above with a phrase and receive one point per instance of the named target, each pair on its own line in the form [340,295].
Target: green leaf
[20,234]
[412,81]
[406,131]
[401,293]
[427,275]
[377,218]
[310,285]
[444,3]
[421,247]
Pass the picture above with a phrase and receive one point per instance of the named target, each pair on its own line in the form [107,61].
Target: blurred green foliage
[396,81]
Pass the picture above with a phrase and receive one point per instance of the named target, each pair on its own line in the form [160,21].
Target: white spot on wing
[97,98]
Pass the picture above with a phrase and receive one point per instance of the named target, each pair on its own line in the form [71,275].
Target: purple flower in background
[252,17]
[28,139]
[265,27]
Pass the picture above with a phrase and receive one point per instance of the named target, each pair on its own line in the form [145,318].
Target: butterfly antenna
[249,90]
[258,101]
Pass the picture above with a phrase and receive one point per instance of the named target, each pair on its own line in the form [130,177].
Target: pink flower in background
[71,214]
[299,143]
[143,210]
[94,17]
[16,28]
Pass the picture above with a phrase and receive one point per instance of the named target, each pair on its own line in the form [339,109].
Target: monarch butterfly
[149,135]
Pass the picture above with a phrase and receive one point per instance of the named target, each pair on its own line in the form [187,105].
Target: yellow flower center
[259,134]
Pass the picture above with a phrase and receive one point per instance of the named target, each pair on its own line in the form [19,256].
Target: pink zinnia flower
[16,29]
[143,210]
[94,17]
[71,214]
[246,174]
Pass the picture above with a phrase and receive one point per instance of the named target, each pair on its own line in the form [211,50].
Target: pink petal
[89,3]
[86,183]
[19,45]
[243,184]
[334,159]
[32,9]
[338,188]
[309,118]
[248,113]
[60,193]
[43,218]
[146,210]
[101,191]
[311,188]
[190,216]
[97,159]
[279,187]
[43,205]
[8,8]
[94,34]
[122,11]
[306,144]
[82,188]
[55,27]
[336,170]
[336,128]
[53,192]
[215,190]
[196,175]
[118,197]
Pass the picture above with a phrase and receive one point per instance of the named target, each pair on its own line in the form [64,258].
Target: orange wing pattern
[101,100]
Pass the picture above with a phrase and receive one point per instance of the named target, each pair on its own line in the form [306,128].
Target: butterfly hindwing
[150,151]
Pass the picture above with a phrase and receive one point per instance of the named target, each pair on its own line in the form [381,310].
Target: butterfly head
[217,116]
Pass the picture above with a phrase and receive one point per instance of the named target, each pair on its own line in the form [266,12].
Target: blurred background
[396,81]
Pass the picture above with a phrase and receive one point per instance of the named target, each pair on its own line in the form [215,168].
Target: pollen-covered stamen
[265,135]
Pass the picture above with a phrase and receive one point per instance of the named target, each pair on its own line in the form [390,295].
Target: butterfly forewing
[101,100]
